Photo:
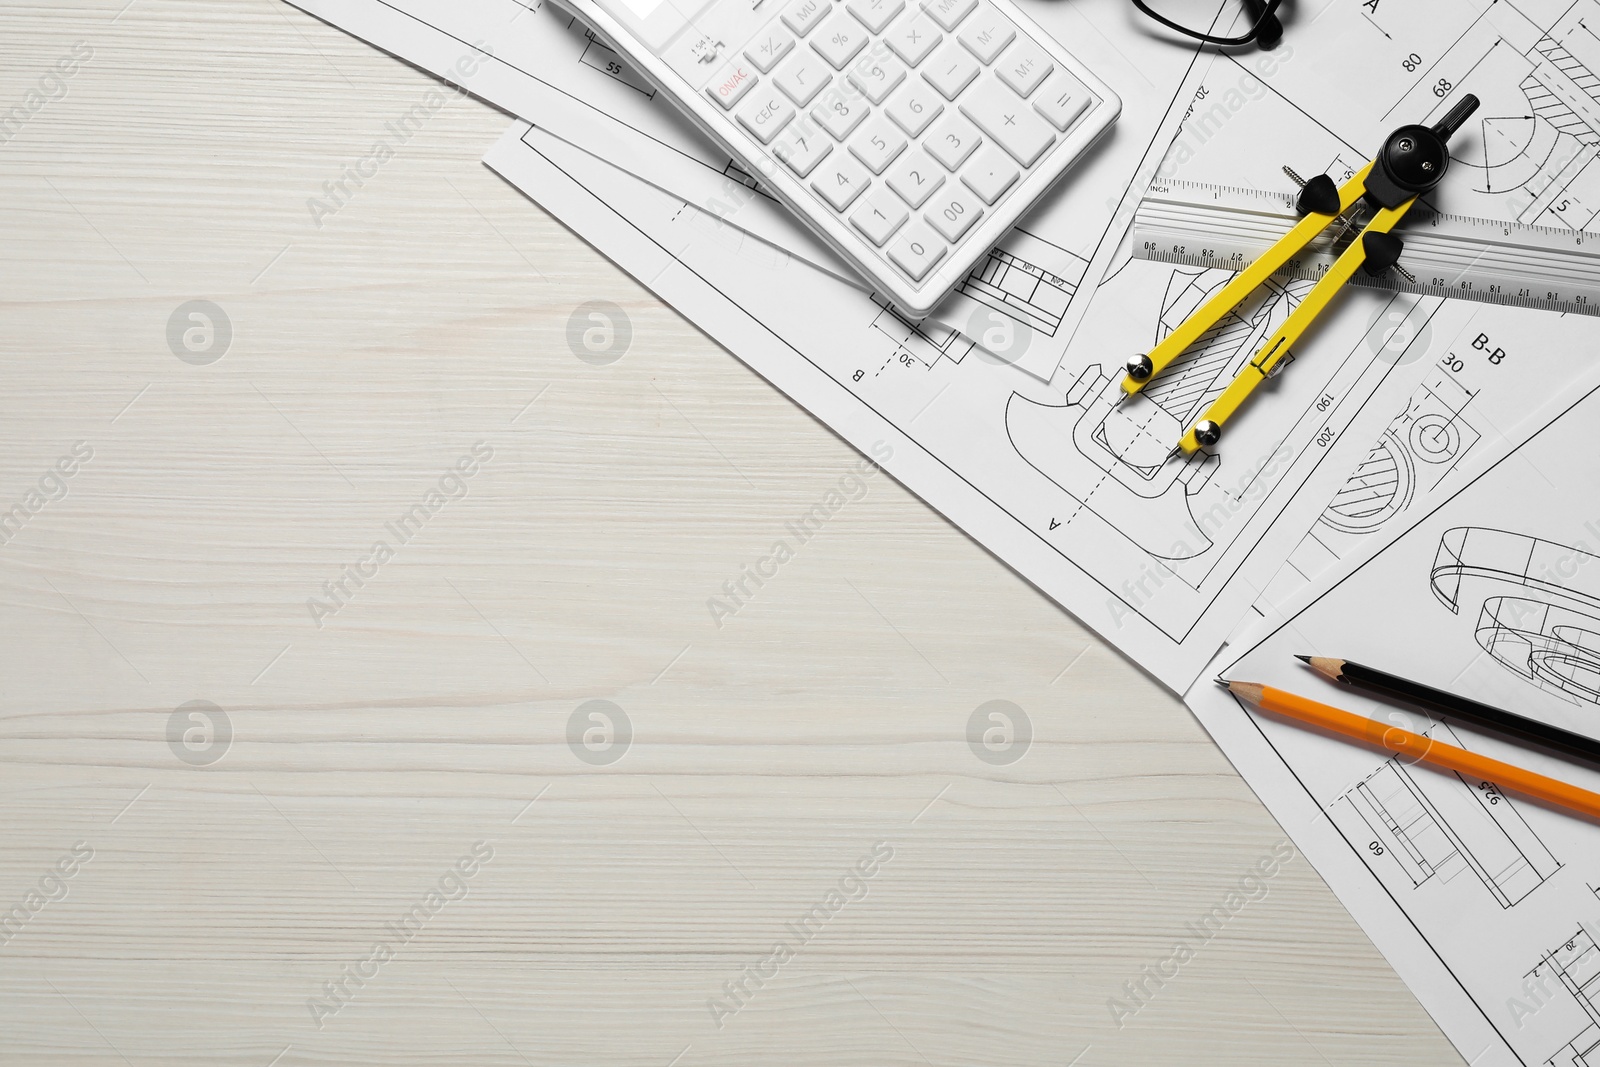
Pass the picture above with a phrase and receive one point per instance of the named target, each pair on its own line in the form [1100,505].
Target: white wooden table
[259,866]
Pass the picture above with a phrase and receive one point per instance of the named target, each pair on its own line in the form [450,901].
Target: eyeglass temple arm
[1269,31]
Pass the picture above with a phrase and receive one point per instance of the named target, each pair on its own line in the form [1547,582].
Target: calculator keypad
[911,119]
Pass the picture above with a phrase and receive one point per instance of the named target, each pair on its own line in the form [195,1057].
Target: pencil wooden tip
[1250,691]
[1328,668]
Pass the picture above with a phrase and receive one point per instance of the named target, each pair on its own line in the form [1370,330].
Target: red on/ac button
[731,82]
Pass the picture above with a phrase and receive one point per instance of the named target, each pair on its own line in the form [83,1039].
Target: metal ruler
[1200,225]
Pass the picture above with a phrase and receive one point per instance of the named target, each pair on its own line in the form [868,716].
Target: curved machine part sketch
[1544,622]
[1545,153]
[1114,458]
[1421,445]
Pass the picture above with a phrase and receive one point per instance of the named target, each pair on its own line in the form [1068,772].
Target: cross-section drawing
[1436,826]
[1114,458]
[1424,442]
[1539,612]
[1575,964]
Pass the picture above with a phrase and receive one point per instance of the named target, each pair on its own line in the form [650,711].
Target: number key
[841,181]
[877,77]
[877,144]
[802,146]
[915,177]
[916,250]
[840,110]
[952,140]
[953,212]
[914,107]
[879,216]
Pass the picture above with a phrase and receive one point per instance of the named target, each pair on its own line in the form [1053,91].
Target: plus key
[1007,120]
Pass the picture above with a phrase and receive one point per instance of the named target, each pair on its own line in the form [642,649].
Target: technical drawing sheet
[1487,905]
[537,62]
[1163,567]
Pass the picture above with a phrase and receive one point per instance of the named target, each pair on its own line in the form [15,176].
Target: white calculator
[909,134]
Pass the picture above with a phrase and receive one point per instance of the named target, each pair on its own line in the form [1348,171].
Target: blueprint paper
[1487,905]
[1162,567]
[541,64]
[1488,368]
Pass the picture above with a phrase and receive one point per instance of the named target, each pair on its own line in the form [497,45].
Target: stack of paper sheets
[1419,480]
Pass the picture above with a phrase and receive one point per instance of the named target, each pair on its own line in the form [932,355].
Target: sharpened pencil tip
[1303,659]
[1224,682]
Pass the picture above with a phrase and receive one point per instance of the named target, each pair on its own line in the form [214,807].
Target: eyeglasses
[1202,20]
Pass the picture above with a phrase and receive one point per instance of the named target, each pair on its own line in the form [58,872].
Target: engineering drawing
[1113,457]
[1575,964]
[1435,826]
[1544,622]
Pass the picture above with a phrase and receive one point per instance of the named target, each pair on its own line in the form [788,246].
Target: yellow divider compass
[1411,163]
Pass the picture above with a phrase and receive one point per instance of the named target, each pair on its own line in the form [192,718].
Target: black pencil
[1494,720]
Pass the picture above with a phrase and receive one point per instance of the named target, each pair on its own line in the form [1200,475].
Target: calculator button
[1062,100]
[875,14]
[949,13]
[771,45]
[877,77]
[877,144]
[915,177]
[953,212]
[951,70]
[879,216]
[803,77]
[989,173]
[732,82]
[1005,117]
[765,113]
[803,15]
[841,181]
[840,39]
[801,146]
[1023,67]
[840,111]
[987,33]
[914,107]
[952,140]
[916,250]
[913,37]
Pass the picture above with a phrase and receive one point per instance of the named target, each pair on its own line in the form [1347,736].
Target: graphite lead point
[1303,659]
[1223,682]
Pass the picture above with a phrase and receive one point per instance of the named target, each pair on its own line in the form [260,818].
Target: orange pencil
[1413,746]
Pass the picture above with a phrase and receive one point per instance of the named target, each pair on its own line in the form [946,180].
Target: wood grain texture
[370,753]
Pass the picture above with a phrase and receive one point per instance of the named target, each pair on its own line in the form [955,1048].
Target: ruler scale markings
[1450,255]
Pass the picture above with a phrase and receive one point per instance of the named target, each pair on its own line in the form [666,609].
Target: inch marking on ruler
[1452,256]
